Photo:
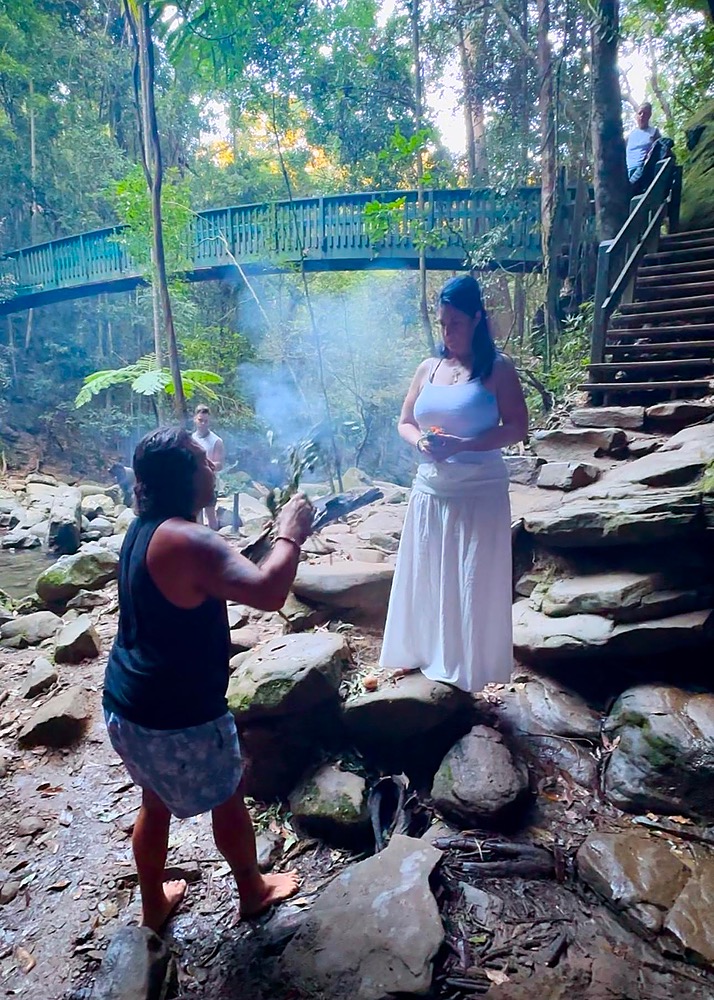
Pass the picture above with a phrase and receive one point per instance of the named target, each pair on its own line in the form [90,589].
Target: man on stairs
[645,147]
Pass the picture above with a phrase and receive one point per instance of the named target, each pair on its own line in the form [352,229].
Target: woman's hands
[438,446]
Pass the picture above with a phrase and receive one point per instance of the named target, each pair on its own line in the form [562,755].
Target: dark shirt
[168,668]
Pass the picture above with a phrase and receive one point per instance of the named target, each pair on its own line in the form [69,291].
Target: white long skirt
[450,607]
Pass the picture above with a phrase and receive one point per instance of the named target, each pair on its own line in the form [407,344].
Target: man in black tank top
[167,674]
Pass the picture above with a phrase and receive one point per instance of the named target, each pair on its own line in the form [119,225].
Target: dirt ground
[66,822]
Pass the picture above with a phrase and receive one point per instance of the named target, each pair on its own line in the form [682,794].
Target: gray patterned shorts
[191,770]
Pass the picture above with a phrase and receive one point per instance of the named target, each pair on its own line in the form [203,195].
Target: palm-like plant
[147,378]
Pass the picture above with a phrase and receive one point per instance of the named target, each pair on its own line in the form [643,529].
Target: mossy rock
[332,804]
[697,210]
[288,675]
[89,569]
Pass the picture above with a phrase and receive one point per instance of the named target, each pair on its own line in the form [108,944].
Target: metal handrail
[618,259]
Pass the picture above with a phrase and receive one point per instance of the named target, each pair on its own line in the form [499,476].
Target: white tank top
[465,410]
[208,443]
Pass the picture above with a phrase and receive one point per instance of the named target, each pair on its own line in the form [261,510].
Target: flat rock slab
[676,414]
[89,569]
[567,476]
[287,675]
[620,517]
[523,468]
[398,711]
[573,444]
[138,965]
[479,781]
[29,630]
[373,932]
[625,417]
[634,872]
[60,722]
[350,586]
[666,467]
[663,759]
[620,595]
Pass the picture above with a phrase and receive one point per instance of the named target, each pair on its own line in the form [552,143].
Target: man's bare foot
[265,891]
[156,917]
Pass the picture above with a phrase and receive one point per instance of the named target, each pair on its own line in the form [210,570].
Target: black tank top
[168,668]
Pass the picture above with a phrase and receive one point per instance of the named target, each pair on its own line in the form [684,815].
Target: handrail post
[675,199]
[602,291]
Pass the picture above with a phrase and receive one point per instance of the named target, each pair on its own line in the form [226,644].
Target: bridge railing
[317,230]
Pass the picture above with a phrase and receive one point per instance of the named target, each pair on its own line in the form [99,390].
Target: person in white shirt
[640,144]
[215,453]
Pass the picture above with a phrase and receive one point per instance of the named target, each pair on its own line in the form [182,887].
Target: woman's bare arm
[408,427]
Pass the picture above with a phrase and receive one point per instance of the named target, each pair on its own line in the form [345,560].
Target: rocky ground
[558,833]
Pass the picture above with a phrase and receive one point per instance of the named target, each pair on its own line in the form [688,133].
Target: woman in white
[450,607]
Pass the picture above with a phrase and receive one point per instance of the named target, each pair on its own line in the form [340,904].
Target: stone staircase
[661,345]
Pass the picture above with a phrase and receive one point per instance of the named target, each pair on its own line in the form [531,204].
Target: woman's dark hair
[464,293]
[164,466]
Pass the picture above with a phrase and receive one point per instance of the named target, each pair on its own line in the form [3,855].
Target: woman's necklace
[457,373]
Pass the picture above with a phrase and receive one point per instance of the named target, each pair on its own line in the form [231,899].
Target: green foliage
[381,218]
[131,200]
[146,379]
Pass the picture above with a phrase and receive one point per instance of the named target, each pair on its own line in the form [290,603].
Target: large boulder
[697,210]
[663,755]
[360,588]
[620,515]
[29,630]
[77,641]
[60,722]
[540,706]
[65,521]
[408,726]
[374,930]
[89,569]
[636,873]
[479,781]
[98,504]
[332,804]
[288,675]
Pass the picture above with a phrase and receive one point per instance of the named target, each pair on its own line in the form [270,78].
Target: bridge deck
[330,233]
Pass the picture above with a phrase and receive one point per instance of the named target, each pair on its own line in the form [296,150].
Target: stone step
[667,332]
[636,388]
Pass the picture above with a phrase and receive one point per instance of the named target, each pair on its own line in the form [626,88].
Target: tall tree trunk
[474,117]
[418,114]
[612,192]
[139,17]
[34,207]
[548,168]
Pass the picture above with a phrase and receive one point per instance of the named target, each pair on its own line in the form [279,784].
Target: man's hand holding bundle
[294,522]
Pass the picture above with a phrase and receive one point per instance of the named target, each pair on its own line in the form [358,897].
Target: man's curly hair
[164,466]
